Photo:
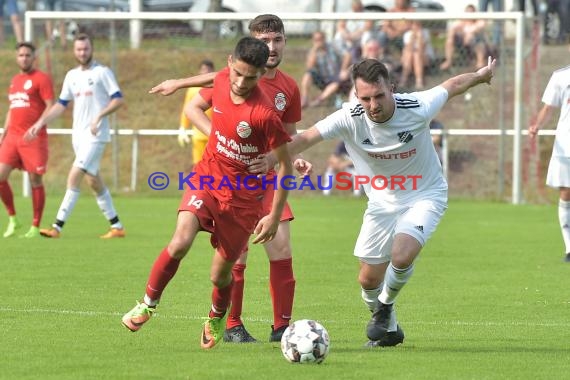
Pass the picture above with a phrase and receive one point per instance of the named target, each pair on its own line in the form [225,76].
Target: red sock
[234,318]
[163,269]
[7,197]
[38,202]
[282,288]
[221,298]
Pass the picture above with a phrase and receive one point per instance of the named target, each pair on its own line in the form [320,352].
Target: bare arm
[267,226]
[6,124]
[170,86]
[300,143]
[113,105]
[33,131]
[463,82]
[47,117]
[195,110]
[299,163]
[311,59]
[544,116]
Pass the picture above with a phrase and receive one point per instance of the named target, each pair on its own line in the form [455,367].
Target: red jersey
[284,93]
[27,95]
[239,134]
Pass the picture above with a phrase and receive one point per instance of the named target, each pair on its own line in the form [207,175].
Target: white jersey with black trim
[557,94]
[91,91]
[397,156]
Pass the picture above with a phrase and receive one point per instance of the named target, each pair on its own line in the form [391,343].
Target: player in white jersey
[387,136]
[557,95]
[96,94]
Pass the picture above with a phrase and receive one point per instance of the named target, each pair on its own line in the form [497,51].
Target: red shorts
[230,226]
[32,156]
[286,215]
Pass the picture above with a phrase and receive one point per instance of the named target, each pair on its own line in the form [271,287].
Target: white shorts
[88,155]
[558,172]
[379,225]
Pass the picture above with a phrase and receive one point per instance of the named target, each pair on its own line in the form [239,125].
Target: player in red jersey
[283,92]
[30,95]
[243,127]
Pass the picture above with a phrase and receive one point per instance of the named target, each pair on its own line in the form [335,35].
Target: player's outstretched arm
[170,86]
[463,82]
[267,227]
[300,143]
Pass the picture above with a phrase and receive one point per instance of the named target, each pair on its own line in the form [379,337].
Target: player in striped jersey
[387,136]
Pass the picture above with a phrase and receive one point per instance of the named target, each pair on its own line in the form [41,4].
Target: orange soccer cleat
[114,233]
[50,233]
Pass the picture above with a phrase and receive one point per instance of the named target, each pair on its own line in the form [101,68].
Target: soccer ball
[305,341]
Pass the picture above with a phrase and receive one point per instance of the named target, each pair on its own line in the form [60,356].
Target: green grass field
[489,299]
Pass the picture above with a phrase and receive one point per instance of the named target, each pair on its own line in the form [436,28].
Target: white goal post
[517,18]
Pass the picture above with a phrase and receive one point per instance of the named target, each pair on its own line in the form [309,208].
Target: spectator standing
[30,96]
[95,93]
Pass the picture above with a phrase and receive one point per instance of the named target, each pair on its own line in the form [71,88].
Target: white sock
[370,296]
[149,302]
[564,218]
[67,204]
[105,203]
[394,281]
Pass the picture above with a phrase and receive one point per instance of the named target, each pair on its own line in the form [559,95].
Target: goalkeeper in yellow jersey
[198,139]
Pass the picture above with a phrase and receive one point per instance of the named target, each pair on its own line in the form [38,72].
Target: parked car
[120,5]
[232,28]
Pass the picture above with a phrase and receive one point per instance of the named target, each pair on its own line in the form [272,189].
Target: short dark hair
[26,44]
[370,71]
[252,51]
[208,63]
[266,23]
[83,37]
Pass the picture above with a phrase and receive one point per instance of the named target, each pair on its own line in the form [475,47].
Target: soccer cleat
[567,258]
[238,334]
[50,233]
[138,316]
[33,232]
[114,233]
[212,332]
[377,328]
[276,335]
[391,339]
[13,225]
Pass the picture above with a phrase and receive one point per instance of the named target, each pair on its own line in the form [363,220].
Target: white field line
[87,313]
